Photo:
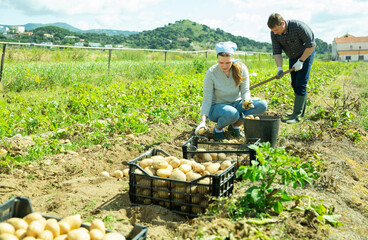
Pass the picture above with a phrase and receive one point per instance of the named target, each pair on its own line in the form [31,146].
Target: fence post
[109,60]
[206,55]
[2,62]
[165,56]
[245,57]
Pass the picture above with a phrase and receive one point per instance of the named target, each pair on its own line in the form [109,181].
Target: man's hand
[247,104]
[279,73]
[298,65]
[200,129]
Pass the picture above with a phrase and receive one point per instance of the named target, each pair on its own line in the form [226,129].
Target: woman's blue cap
[227,47]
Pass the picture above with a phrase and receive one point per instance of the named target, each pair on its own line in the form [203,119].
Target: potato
[225,164]
[29,238]
[213,168]
[99,224]
[170,168]
[35,228]
[96,234]
[201,131]
[159,164]
[165,173]
[174,162]
[191,189]
[79,234]
[150,170]
[21,233]
[18,223]
[205,173]
[185,161]
[163,194]
[138,171]
[126,172]
[118,174]
[256,118]
[104,174]
[74,221]
[177,174]
[8,236]
[32,217]
[198,167]
[206,157]
[6,228]
[160,183]
[191,176]
[53,226]
[61,237]
[113,236]
[46,235]
[146,201]
[146,163]
[185,168]
[64,228]
[221,156]
[157,157]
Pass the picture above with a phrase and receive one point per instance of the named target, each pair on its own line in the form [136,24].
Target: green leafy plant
[273,166]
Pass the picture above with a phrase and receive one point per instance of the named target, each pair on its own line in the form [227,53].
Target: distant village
[10,32]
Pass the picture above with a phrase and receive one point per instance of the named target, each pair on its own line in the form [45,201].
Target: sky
[248,18]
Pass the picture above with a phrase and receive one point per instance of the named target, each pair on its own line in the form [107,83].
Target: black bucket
[267,128]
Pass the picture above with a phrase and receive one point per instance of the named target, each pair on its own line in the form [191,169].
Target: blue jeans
[226,114]
[300,78]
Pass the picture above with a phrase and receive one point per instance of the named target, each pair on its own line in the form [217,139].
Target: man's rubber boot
[299,104]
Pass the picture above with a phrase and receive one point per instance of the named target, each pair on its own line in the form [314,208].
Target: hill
[189,35]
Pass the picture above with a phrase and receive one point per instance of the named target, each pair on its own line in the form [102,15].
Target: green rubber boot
[299,108]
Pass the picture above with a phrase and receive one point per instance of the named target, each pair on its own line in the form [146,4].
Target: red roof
[353,52]
[347,38]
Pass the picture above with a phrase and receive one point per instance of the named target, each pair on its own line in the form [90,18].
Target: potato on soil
[118,174]
[113,236]
[104,174]
[126,172]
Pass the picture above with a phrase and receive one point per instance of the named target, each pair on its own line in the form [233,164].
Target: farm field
[65,118]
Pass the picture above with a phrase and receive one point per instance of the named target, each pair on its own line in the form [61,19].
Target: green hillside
[181,35]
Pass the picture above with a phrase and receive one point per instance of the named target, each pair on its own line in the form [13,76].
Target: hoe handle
[270,79]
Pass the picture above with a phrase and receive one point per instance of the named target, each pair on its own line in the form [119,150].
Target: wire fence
[165,53]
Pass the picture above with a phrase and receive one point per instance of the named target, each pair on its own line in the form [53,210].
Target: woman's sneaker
[235,132]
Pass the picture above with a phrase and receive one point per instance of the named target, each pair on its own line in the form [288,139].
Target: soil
[70,183]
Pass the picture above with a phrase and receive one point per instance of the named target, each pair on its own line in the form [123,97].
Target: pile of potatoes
[35,227]
[252,117]
[183,170]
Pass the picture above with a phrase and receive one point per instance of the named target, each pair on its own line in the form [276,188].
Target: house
[79,44]
[17,29]
[108,46]
[95,44]
[47,43]
[350,48]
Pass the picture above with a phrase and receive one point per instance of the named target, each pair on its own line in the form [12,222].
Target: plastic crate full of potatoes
[184,186]
[200,148]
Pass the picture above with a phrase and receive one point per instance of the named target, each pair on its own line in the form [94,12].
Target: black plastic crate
[189,198]
[239,152]
[21,206]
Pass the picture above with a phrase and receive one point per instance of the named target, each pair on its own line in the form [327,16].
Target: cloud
[73,7]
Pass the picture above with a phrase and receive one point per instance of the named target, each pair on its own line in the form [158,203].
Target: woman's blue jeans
[226,114]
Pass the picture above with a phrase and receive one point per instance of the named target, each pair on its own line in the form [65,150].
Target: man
[296,39]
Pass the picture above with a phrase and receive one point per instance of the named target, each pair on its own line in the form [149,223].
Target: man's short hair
[274,20]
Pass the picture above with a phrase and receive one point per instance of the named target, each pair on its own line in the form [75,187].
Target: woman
[225,88]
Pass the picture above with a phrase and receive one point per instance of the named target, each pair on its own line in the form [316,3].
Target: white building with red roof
[350,48]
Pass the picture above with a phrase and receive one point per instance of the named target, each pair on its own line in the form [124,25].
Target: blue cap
[227,47]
